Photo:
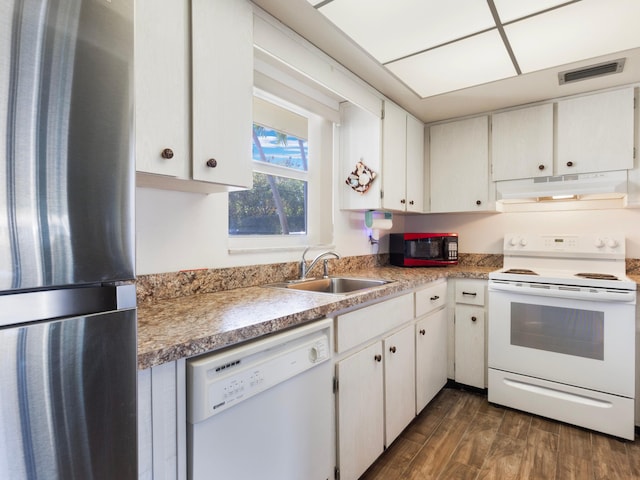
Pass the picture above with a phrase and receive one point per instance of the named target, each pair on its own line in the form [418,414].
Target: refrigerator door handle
[67,302]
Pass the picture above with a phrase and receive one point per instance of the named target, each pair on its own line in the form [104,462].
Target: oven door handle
[560,291]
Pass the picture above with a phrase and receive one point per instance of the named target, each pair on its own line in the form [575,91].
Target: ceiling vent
[598,70]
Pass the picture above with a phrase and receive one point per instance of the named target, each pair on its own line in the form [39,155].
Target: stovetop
[584,260]
[564,277]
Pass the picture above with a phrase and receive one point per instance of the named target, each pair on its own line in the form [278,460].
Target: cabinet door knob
[422,331]
[212,163]
[411,202]
[167,153]
[434,298]
[540,167]
[378,358]
[392,349]
[473,319]
[569,164]
[403,201]
[478,202]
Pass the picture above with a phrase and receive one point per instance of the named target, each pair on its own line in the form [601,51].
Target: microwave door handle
[560,291]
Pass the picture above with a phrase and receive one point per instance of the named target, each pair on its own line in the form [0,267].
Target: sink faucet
[304,270]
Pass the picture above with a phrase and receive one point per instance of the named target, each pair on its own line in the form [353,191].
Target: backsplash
[161,286]
[633,266]
[192,282]
[480,260]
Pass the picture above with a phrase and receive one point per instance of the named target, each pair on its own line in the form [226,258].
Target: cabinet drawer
[431,298]
[356,327]
[470,292]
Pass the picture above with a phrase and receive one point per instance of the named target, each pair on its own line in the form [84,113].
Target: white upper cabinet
[360,142]
[402,160]
[459,166]
[415,165]
[393,148]
[522,143]
[162,87]
[194,126]
[394,155]
[592,133]
[222,43]
[595,132]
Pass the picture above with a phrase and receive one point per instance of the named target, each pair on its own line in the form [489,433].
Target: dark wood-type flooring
[459,435]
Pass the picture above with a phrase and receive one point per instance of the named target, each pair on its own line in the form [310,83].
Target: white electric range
[562,330]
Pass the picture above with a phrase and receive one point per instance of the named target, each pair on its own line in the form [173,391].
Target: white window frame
[319,186]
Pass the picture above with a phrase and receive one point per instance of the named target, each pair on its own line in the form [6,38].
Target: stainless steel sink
[333,285]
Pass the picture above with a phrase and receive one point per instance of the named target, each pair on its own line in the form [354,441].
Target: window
[277,204]
[291,202]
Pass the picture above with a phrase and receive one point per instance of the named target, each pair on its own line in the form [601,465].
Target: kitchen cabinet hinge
[336,473]
[382,114]
[335,385]
[381,194]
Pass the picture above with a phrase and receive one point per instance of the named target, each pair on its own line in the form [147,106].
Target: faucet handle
[325,266]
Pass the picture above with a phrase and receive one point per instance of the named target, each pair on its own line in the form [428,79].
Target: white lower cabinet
[431,357]
[360,408]
[375,399]
[399,384]
[470,333]
[386,362]
[162,422]
[470,364]
[431,336]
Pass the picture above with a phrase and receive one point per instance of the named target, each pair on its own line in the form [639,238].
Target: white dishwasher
[264,409]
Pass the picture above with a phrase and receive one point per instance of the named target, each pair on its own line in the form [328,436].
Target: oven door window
[558,329]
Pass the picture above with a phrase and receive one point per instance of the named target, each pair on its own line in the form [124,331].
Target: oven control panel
[590,245]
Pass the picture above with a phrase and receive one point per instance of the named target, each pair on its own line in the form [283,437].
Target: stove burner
[597,276]
[520,271]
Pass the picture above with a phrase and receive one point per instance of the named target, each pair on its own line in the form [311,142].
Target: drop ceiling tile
[472,61]
[391,29]
[575,32]
[509,10]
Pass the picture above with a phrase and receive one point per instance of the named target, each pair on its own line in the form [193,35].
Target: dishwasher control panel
[218,381]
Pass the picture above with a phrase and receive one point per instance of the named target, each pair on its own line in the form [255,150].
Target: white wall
[483,233]
[184,231]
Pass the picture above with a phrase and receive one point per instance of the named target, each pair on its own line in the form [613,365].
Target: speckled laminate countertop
[182,327]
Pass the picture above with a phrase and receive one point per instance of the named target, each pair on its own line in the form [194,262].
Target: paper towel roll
[381,224]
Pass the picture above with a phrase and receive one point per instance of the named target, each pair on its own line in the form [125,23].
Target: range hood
[601,185]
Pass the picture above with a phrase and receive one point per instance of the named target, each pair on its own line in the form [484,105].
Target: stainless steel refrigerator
[67,302]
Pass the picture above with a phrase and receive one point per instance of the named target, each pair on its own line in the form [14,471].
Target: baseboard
[461,386]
